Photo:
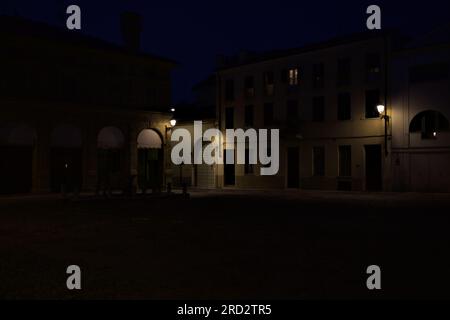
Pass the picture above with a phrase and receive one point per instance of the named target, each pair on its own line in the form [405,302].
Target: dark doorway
[229,173]
[109,169]
[150,169]
[293,168]
[373,168]
[66,169]
[15,169]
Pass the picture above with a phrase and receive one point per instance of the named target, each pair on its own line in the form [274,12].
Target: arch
[431,119]
[66,136]
[429,123]
[110,138]
[17,135]
[149,139]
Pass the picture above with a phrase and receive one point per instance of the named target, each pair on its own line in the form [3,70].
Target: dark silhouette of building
[79,113]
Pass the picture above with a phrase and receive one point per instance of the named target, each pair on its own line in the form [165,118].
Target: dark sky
[195,32]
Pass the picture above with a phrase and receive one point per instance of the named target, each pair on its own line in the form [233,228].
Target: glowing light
[380,108]
[173,122]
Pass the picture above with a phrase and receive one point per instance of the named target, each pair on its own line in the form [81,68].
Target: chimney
[131,25]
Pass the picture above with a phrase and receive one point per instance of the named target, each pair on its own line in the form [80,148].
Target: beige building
[324,100]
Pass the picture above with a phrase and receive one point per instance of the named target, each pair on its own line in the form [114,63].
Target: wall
[419,164]
[357,132]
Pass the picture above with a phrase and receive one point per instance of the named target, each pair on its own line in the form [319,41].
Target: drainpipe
[219,117]
[386,88]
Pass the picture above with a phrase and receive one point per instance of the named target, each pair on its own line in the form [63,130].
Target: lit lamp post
[382,109]
[169,128]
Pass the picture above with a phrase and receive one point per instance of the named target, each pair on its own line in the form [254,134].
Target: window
[429,72]
[249,115]
[249,87]
[229,90]
[268,114]
[344,72]
[290,76]
[292,112]
[293,77]
[319,161]
[269,83]
[229,118]
[345,161]
[318,76]
[429,124]
[372,101]
[373,67]
[318,109]
[344,106]
[248,168]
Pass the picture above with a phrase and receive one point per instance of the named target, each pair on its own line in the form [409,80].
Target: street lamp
[169,128]
[381,109]
[172,123]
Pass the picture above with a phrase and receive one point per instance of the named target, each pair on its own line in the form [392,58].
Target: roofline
[432,46]
[96,41]
[354,38]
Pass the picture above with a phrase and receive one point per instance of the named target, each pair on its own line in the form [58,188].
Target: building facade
[80,114]
[324,100]
[421,113]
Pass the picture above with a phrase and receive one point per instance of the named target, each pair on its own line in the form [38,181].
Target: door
[15,169]
[229,171]
[150,171]
[293,168]
[66,169]
[373,168]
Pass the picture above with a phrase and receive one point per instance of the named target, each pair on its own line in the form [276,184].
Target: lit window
[293,77]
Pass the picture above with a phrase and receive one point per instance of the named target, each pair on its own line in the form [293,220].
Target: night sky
[195,32]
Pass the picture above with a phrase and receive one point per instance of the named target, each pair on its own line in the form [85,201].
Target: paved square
[226,245]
